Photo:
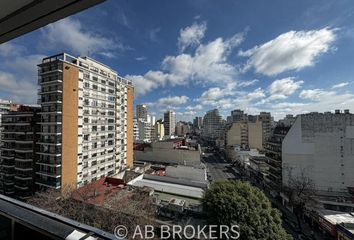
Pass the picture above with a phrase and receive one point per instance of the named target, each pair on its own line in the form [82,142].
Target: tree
[128,208]
[236,202]
[300,190]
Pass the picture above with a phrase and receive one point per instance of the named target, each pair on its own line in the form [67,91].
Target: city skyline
[191,64]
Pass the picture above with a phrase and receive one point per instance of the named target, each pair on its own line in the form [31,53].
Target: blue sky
[193,56]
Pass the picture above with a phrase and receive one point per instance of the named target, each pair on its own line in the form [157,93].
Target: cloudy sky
[195,55]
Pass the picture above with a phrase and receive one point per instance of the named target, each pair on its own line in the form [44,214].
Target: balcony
[48,183]
[23,177]
[49,174]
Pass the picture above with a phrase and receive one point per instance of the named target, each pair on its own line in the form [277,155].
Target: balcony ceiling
[18,17]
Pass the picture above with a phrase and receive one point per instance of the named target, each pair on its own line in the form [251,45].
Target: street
[219,169]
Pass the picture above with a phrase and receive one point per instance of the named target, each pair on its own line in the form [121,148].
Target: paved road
[218,168]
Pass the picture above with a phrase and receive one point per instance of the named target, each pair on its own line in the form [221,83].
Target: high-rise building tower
[18,148]
[213,126]
[170,122]
[142,112]
[86,121]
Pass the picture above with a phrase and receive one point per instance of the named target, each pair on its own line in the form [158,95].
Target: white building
[86,121]
[321,146]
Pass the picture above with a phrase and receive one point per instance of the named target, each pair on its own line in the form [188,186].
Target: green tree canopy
[236,202]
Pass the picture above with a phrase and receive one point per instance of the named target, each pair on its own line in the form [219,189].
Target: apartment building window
[94,128]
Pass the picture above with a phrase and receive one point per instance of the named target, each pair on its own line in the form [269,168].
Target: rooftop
[98,192]
[335,217]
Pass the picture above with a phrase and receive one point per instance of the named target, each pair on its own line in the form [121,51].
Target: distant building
[136,130]
[159,130]
[197,122]
[213,125]
[288,120]
[238,115]
[249,131]
[237,135]
[182,128]
[18,158]
[266,120]
[146,131]
[169,123]
[142,112]
[321,146]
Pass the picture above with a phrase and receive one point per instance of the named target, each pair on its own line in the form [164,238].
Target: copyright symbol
[120,232]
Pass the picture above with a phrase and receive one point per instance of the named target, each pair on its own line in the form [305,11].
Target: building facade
[86,121]
[170,123]
[321,145]
[18,159]
[273,153]
[159,130]
[213,126]
[142,112]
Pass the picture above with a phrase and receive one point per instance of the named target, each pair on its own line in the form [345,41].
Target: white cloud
[340,85]
[11,49]
[208,65]
[195,107]
[283,88]
[172,101]
[191,35]
[247,83]
[70,34]
[256,94]
[19,90]
[292,50]
[142,58]
[315,94]
[217,92]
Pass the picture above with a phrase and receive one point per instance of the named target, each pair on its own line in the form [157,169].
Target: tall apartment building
[169,122]
[142,112]
[18,147]
[238,115]
[197,122]
[321,146]
[86,121]
[266,120]
[273,153]
[213,126]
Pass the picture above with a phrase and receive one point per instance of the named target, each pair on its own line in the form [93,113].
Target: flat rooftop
[335,217]
[168,187]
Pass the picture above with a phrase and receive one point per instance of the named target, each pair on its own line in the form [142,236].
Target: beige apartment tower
[86,121]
